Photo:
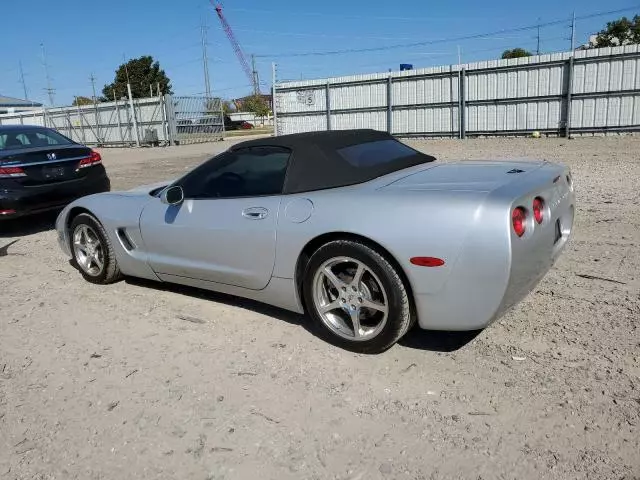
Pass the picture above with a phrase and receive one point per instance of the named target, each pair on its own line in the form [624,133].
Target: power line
[340,15]
[445,40]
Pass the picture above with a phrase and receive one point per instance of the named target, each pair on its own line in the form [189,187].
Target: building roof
[317,158]
[17,102]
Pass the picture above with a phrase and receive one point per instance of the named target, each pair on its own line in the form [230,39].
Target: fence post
[133,115]
[172,123]
[165,126]
[80,119]
[567,112]
[328,104]
[115,101]
[389,104]
[274,105]
[462,104]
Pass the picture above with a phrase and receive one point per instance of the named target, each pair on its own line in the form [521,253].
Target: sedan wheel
[356,297]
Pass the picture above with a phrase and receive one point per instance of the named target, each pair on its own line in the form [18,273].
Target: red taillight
[427,261]
[7,212]
[518,219]
[12,172]
[93,159]
[538,209]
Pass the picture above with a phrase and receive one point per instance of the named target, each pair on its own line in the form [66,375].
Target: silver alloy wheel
[88,250]
[350,299]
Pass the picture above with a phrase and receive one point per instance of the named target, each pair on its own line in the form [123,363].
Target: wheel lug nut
[344,289]
[353,307]
[342,300]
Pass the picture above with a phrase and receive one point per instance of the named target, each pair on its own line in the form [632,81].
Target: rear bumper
[32,200]
[496,269]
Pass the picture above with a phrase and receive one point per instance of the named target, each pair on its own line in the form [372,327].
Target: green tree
[80,100]
[619,32]
[256,104]
[515,53]
[142,72]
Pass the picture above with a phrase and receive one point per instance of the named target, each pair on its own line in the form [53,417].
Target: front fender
[119,214]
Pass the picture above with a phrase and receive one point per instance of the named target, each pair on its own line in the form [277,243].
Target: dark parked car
[41,170]
[236,124]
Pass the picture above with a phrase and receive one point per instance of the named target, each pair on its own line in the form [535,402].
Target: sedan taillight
[12,172]
[90,161]
[518,220]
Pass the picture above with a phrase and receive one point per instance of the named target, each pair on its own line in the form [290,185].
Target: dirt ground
[139,380]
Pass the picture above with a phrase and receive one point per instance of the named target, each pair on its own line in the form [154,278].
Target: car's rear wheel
[356,297]
[92,251]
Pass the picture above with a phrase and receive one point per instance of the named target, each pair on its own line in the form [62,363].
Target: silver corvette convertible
[363,233]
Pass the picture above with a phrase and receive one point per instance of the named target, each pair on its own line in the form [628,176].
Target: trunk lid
[478,176]
[46,165]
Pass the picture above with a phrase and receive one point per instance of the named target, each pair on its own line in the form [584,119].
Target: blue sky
[88,37]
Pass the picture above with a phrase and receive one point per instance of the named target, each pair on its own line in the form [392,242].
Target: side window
[248,172]
[23,139]
[44,139]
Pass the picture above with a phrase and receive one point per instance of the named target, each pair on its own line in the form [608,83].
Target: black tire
[110,272]
[400,311]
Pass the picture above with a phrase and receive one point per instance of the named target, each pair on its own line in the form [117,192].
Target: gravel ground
[140,380]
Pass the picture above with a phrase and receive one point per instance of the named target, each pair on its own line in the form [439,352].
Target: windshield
[14,139]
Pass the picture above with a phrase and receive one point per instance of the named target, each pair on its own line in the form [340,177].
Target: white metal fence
[587,91]
[144,121]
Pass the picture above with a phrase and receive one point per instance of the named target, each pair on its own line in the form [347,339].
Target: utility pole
[459,55]
[205,61]
[256,80]
[573,32]
[95,107]
[50,91]
[131,104]
[93,86]
[24,84]
[538,44]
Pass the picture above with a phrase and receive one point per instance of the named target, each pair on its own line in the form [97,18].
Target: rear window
[30,138]
[375,153]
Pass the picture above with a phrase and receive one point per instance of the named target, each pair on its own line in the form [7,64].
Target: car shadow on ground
[21,227]
[437,341]
[416,338]
[222,298]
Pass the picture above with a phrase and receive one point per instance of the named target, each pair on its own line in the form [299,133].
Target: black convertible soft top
[338,158]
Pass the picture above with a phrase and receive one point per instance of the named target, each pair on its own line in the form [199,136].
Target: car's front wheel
[92,251]
[356,297]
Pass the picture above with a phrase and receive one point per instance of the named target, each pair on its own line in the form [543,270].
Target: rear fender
[405,223]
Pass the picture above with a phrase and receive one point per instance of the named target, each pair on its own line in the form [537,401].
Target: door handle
[255,213]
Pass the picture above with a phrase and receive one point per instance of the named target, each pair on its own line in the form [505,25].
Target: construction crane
[250,71]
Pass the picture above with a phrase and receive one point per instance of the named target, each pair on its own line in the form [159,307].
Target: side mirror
[172,195]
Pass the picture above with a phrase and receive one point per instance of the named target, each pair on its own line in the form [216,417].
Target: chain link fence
[152,121]
[197,119]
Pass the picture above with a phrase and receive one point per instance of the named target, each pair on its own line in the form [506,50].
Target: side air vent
[125,240]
